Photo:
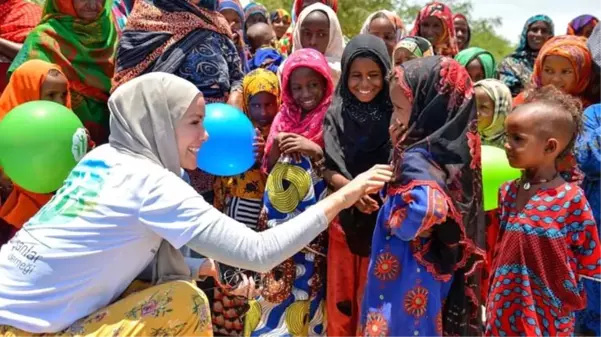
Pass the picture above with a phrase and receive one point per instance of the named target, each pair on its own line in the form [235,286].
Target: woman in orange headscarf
[33,80]
[435,23]
[564,62]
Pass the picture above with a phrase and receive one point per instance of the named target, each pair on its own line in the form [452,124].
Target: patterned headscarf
[575,26]
[255,8]
[442,151]
[469,29]
[487,60]
[572,48]
[155,29]
[394,19]
[416,45]
[447,43]
[289,117]
[282,14]
[515,70]
[494,134]
[84,51]
[259,80]
[336,44]
[17,19]
[233,5]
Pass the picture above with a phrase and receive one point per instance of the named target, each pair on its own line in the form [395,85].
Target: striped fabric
[244,210]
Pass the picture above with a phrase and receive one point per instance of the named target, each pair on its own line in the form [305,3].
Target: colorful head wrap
[572,48]
[259,80]
[487,60]
[255,8]
[446,44]
[394,19]
[575,26]
[289,117]
[233,5]
[282,14]
[494,134]
[84,51]
[416,45]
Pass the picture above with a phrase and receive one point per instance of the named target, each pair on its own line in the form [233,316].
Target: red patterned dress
[542,254]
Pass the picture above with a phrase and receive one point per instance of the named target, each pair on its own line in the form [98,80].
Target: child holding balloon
[241,197]
[34,80]
[548,241]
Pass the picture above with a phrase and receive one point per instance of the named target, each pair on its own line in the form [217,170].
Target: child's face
[384,29]
[280,26]
[55,88]
[262,108]
[365,80]
[461,31]
[558,71]
[402,55]
[232,18]
[307,88]
[525,146]
[88,10]
[475,70]
[486,108]
[315,31]
[431,29]
[402,105]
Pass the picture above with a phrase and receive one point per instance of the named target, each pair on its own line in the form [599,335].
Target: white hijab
[400,33]
[336,44]
[144,112]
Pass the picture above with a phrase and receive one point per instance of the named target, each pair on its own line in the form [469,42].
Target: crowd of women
[363,212]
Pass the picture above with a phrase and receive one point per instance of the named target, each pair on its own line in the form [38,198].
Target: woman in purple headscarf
[582,25]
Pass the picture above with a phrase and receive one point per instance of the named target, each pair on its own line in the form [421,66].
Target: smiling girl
[356,137]
[293,296]
[435,23]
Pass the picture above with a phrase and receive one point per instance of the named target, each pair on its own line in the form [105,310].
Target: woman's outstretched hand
[368,182]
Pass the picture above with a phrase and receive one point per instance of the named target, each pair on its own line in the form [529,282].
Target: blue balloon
[229,150]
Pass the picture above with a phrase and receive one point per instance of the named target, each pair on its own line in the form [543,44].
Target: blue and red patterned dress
[543,253]
[402,297]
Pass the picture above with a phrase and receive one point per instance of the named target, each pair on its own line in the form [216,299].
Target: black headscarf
[442,151]
[356,135]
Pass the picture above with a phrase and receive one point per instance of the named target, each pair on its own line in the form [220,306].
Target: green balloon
[40,143]
[495,172]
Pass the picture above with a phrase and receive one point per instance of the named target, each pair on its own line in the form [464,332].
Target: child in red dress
[548,240]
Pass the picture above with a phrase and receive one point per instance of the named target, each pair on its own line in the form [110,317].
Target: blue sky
[515,12]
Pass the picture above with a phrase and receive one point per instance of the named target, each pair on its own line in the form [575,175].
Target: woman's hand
[368,182]
[292,143]
[259,145]
[367,205]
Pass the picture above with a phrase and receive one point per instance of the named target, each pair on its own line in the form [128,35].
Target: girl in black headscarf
[356,138]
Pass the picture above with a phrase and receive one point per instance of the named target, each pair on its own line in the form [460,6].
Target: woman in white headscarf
[318,28]
[69,266]
[386,25]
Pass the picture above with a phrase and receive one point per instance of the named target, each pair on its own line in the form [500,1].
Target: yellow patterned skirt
[175,308]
